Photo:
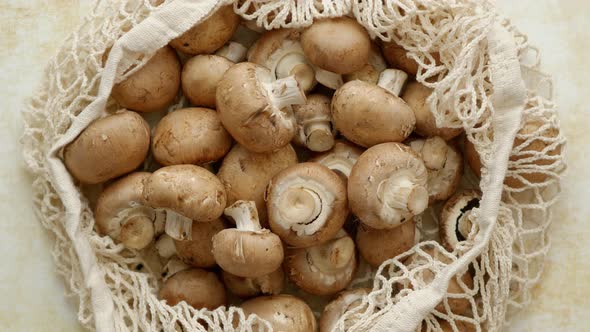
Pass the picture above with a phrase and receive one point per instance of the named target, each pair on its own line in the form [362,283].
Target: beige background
[32,294]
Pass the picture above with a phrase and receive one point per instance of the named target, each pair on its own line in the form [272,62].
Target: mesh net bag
[486,80]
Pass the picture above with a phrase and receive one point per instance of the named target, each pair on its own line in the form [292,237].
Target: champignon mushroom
[236,49]
[190,136]
[256,110]
[445,166]
[198,288]
[378,245]
[108,148]
[154,86]
[283,312]
[345,301]
[397,57]
[209,35]
[340,44]
[415,95]
[248,250]
[341,158]
[371,70]
[246,174]
[324,269]
[197,251]
[173,266]
[269,284]
[314,124]
[368,114]
[121,212]
[165,246]
[455,218]
[387,186]
[185,193]
[200,77]
[306,204]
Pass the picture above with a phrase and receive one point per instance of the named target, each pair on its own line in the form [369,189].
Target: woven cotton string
[479,76]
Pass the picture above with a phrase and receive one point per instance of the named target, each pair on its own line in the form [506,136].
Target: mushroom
[368,114]
[281,52]
[460,326]
[165,246]
[108,148]
[324,269]
[387,186]
[237,48]
[256,110]
[416,95]
[445,166]
[269,284]
[246,174]
[378,245]
[172,267]
[154,86]
[198,288]
[197,251]
[209,35]
[345,301]
[341,158]
[339,45]
[371,71]
[200,77]
[121,212]
[190,136]
[455,222]
[283,312]
[306,204]
[397,57]
[185,193]
[314,124]
[248,250]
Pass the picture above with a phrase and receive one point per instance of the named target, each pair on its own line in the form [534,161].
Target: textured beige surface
[32,295]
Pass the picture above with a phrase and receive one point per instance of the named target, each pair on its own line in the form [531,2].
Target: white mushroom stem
[434,153]
[464,224]
[245,215]
[333,255]
[173,266]
[165,246]
[285,92]
[178,226]
[233,51]
[318,135]
[392,80]
[400,192]
[296,65]
[328,79]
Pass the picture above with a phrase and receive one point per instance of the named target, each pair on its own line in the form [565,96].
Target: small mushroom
[415,95]
[306,204]
[314,124]
[185,193]
[200,77]
[121,212]
[378,245]
[209,35]
[341,158]
[165,246]
[198,288]
[197,251]
[387,186]
[248,250]
[108,148]
[339,45]
[153,87]
[345,301]
[246,174]
[283,312]
[256,110]
[455,223]
[371,70]
[368,114]
[172,267]
[269,284]
[324,269]
[190,136]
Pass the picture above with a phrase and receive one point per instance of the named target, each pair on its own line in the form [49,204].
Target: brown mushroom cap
[270,284]
[153,87]
[283,312]
[197,251]
[367,114]
[246,174]
[314,123]
[387,186]
[209,35]
[341,158]
[190,136]
[415,95]
[454,222]
[108,148]
[460,326]
[307,204]
[396,57]
[345,301]
[378,245]
[340,45]
[200,77]
[371,70]
[255,110]
[199,288]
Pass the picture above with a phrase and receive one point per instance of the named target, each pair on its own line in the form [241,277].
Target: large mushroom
[108,148]
[197,251]
[306,204]
[387,186]
[256,110]
[283,312]
[269,284]
[314,124]
[378,245]
[198,288]
[341,158]
[345,301]
[455,222]
[200,77]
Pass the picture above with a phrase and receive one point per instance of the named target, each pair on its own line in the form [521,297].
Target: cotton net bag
[486,80]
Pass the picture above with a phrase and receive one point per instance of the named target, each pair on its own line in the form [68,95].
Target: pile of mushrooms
[231,211]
